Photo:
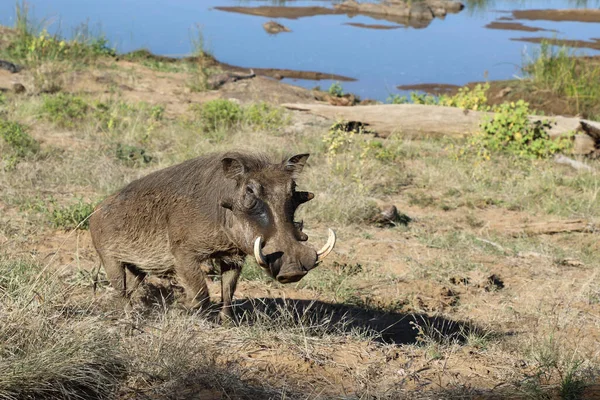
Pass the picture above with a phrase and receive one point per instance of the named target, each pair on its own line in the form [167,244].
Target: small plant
[466,98]
[264,116]
[511,131]
[21,143]
[252,272]
[336,89]
[424,98]
[16,136]
[219,114]
[396,99]
[339,139]
[132,155]
[73,216]
[65,110]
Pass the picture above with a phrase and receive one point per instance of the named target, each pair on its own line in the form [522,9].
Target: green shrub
[511,131]
[466,98]
[336,89]
[264,116]
[16,136]
[219,114]
[396,99]
[132,155]
[65,110]
[20,142]
[71,216]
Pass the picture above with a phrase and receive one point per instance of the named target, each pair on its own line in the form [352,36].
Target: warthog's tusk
[260,258]
[327,248]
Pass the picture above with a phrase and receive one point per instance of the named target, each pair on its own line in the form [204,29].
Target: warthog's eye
[249,189]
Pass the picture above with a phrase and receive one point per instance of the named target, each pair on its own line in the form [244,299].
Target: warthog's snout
[292,266]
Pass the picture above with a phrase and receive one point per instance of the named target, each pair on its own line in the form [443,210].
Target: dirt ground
[473,298]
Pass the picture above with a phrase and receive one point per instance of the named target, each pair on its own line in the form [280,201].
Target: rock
[493,283]
[18,87]
[503,92]
[273,27]
[389,216]
[420,10]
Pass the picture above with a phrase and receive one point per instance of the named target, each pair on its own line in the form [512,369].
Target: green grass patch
[65,110]
[20,143]
[71,216]
[217,116]
[34,46]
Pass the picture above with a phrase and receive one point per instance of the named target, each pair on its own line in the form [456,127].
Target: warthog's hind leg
[230,272]
[117,276]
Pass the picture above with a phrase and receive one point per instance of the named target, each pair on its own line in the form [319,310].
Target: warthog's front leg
[189,273]
[230,272]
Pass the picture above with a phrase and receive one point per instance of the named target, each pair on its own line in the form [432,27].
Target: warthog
[217,206]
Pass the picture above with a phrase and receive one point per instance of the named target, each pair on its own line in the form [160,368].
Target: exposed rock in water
[422,10]
[273,27]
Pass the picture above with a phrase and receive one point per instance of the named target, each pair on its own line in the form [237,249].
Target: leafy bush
[132,155]
[219,114]
[466,98]
[21,143]
[64,109]
[511,131]
[336,89]
[343,137]
[71,216]
[16,136]
[396,99]
[264,116]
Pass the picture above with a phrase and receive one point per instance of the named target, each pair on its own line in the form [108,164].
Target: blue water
[455,50]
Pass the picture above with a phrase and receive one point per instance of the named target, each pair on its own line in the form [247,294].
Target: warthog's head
[261,215]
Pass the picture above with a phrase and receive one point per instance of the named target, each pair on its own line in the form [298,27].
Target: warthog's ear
[233,168]
[296,163]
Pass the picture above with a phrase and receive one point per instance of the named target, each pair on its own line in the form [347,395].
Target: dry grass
[450,306]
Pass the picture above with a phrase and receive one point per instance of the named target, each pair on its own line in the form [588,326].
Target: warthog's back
[136,224]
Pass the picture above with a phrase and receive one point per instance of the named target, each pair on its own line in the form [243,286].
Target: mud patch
[282,12]
[372,26]
[575,15]
[593,44]
[515,26]
[431,88]
[209,61]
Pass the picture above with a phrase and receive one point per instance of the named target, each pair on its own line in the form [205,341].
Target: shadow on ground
[385,327]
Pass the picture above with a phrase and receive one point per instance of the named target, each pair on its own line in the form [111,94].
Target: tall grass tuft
[559,71]
[45,354]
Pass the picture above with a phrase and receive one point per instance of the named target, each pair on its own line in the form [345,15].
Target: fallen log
[421,121]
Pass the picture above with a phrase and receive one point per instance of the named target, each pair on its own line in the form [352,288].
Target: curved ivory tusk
[260,258]
[321,254]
